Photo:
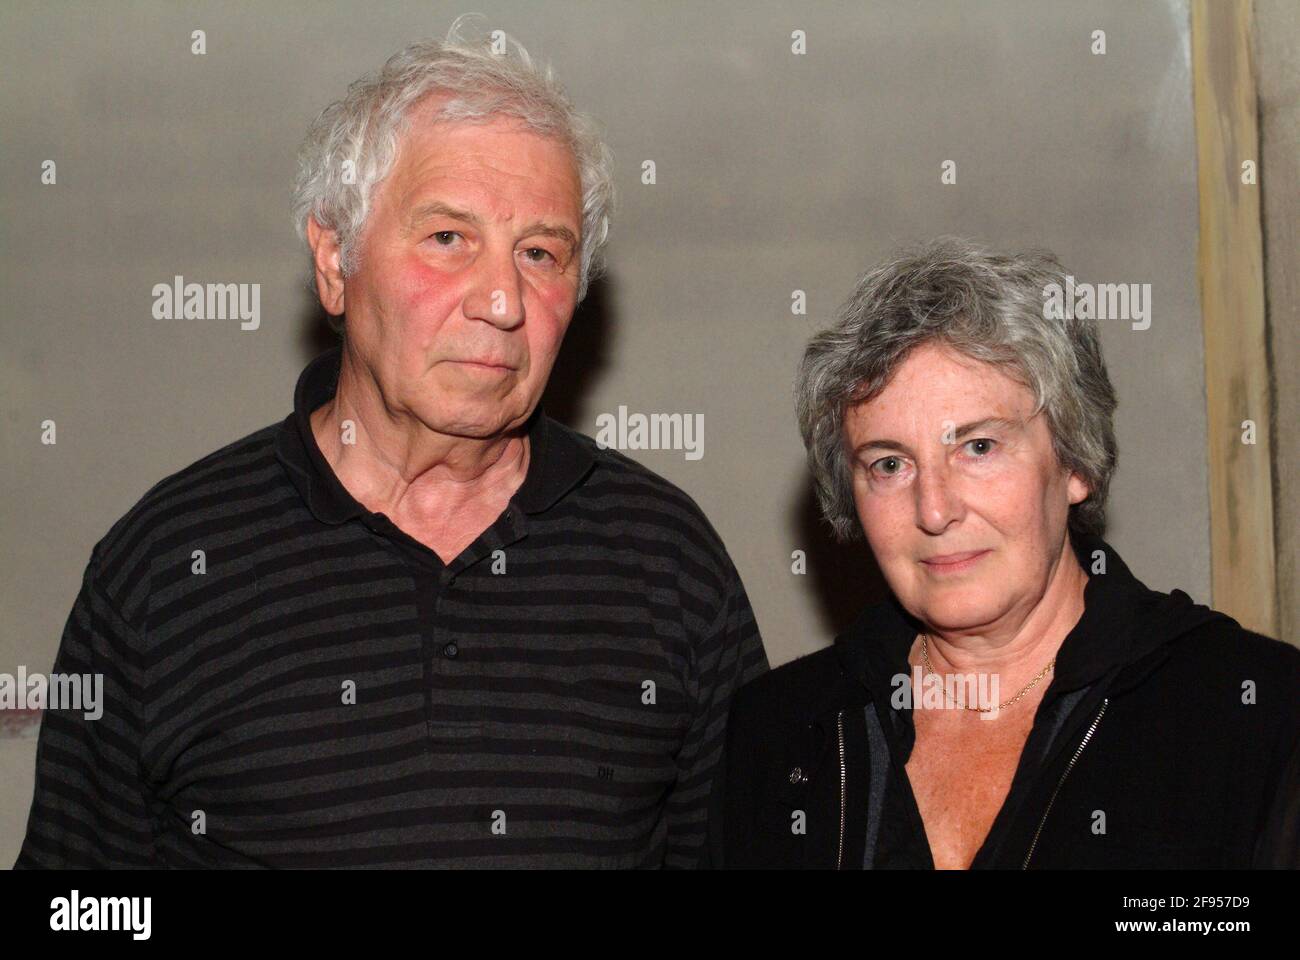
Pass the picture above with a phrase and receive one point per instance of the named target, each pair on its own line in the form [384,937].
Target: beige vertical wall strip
[1242,567]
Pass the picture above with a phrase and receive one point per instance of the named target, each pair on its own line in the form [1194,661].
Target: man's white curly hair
[352,145]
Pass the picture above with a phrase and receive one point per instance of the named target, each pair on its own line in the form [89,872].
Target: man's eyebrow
[437,208]
[558,231]
[1003,423]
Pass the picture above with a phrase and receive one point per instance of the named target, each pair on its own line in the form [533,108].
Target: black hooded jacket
[1169,737]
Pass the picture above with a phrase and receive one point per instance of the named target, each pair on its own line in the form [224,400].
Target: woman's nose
[937,503]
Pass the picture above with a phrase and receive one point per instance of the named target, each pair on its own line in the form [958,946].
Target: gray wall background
[775,172]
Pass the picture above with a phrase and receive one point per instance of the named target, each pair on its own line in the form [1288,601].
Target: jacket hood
[1124,623]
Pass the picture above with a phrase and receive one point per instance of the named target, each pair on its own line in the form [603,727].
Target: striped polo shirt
[292,681]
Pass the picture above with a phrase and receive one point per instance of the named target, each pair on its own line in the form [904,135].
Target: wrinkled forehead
[936,385]
[499,153]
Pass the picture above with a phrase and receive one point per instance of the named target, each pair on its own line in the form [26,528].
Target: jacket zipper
[839,724]
[1070,766]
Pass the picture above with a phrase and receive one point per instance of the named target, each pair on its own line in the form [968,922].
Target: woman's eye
[984,442]
[887,465]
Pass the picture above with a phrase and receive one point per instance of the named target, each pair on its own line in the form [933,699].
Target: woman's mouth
[954,562]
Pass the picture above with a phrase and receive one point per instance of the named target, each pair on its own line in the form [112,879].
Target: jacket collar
[1123,621]
[558,458]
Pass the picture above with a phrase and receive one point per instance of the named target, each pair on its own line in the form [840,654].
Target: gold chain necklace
[929,669]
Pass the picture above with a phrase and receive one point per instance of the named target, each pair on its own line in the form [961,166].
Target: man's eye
[537,254]
[445,237]
[988,446]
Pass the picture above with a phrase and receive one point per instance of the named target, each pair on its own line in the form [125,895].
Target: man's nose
[495,294]
[938,503]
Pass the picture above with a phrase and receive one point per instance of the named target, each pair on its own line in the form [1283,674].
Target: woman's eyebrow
[1004,423]
[983,423]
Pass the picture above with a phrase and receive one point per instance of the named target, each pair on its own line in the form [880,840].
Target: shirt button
[450,651]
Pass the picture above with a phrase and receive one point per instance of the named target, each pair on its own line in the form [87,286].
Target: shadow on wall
[844,578]
[584,355]
[314,333]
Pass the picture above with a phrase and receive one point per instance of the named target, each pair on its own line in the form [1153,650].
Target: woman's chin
[964,609]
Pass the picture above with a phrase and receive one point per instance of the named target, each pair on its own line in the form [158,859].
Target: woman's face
[959,492]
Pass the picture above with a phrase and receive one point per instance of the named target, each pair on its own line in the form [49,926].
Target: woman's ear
[1077,488]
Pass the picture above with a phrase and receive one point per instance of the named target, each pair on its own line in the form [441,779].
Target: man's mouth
[485,364]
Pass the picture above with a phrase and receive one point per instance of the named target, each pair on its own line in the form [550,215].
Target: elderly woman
[1022,700]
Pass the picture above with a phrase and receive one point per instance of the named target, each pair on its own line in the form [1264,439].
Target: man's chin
[467,421]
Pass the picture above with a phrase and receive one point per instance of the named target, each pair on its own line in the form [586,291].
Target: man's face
[994,488]
[468,274]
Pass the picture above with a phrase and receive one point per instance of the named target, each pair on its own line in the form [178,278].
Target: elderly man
[1022,700]
[417,623]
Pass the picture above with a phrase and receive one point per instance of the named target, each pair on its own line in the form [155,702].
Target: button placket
[442,646]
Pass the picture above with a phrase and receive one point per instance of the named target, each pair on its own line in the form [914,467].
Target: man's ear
[328,258]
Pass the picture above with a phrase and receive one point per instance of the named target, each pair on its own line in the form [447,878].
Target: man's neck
[395,465]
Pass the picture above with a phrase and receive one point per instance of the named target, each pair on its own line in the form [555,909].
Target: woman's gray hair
[353,144]
[986,306]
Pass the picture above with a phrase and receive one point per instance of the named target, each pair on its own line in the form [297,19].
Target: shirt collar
[558,459]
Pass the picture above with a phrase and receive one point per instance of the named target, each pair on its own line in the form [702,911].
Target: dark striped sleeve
[89,808]
[729,656]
